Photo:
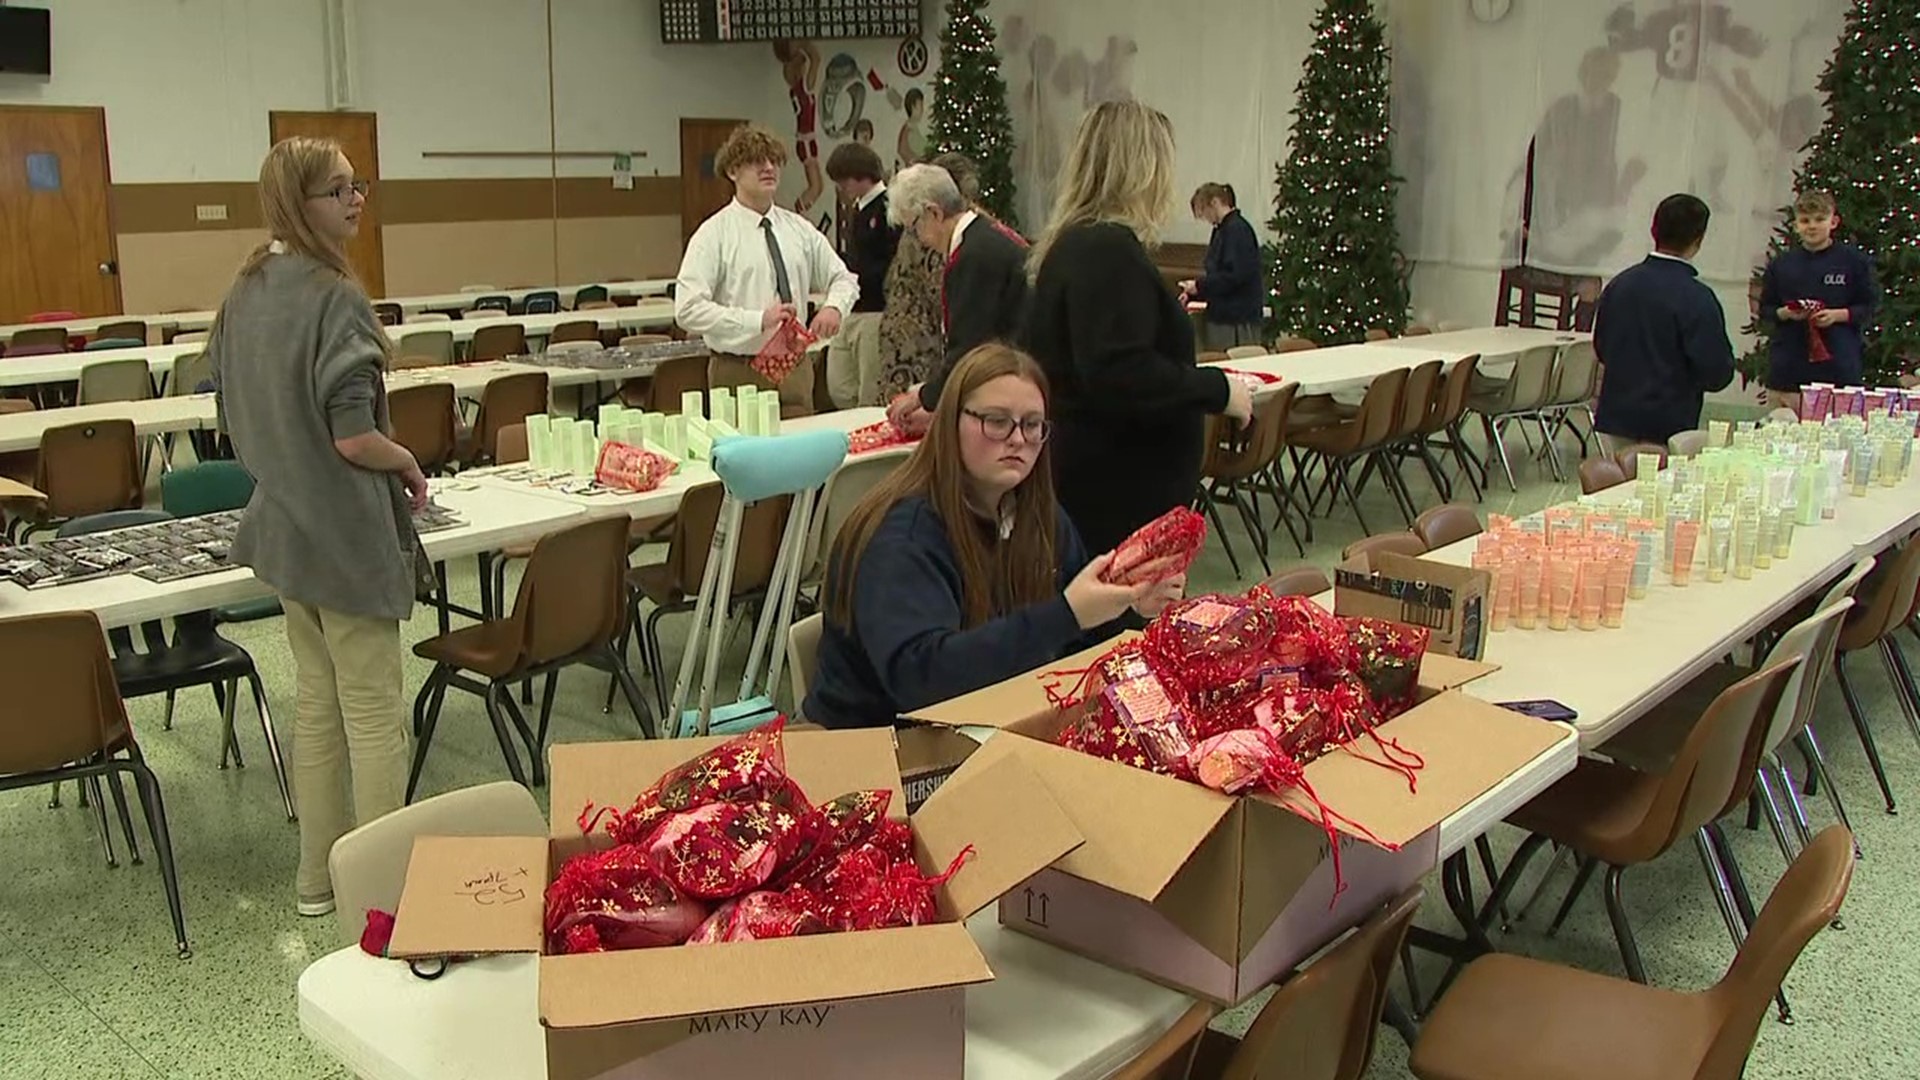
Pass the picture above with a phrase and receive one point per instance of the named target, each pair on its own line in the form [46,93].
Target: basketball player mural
[800,66]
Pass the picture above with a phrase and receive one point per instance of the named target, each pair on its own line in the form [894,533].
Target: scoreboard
[686,22]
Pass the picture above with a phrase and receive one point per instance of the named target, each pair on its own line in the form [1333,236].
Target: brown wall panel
[170,208]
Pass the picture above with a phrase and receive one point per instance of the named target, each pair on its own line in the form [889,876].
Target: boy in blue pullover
[1232,284]
[1661,335]
[1838,279]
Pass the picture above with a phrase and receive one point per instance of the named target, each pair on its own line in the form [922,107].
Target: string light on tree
[1867,155]
[1334,264]
[970,104]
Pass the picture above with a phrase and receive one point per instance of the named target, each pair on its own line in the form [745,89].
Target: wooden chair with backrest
[568,611]
[1622,817]
[504,402]
[498,341]
[64,720]
[424,422]
[1299,581]
[53,337]
[84,469]
[1512,1018]
[803,654]
[1447,524]
[1887,599]
[131,329]
[1239,464]
[673,585]
[369,864]
[434,343]
[1599,474]
[1399,543]
[1321,1023]
[1517,397]
[1340,445]
[575,330]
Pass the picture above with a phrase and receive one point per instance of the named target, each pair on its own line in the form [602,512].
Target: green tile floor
[90,986]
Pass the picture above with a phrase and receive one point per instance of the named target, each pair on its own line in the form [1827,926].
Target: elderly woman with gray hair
[984,286]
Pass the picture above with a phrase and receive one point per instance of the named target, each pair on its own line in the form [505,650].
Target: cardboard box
[928,755]
[1220,895]
[875,1004]
[1450,601]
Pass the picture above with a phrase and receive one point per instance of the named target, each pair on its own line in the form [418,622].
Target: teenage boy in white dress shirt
[752,265]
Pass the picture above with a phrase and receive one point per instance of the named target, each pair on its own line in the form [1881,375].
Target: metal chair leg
[504,736]
[1499,442]
[1817,766]
[1743,903]
[1903,683]
[1797,816]
[100,812]
[273,743]
[1220,530]
[426,710]
[120,811]
[1588,864]
[1860,727]
[1622,930]
[535,759]
[1560,857]
[156,813]
[1775,819]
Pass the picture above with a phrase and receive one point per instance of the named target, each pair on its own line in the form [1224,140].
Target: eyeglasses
[1000,427]
[341,192]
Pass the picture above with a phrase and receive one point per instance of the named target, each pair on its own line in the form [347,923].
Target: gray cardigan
[297,356]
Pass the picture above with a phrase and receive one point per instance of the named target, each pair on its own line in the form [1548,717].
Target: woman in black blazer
[1129,404]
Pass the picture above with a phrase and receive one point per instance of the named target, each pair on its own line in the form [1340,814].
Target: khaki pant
[796,391]
[351,725]
[1783,399]
[853,361]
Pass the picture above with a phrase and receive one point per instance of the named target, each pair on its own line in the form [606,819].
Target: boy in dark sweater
[853,360]
[1661,335]
[1231,282]
[1825,287]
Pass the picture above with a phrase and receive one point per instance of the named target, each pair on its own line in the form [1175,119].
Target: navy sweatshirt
[1839,276]
[871,242]
[1231,280]
[1662,335]
[983,297]
[906,649]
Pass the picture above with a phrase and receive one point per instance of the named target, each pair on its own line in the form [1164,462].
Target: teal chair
[208,488]
[114,343]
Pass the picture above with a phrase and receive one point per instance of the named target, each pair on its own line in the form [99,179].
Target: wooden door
[702,189]
[359,137]
[57,250]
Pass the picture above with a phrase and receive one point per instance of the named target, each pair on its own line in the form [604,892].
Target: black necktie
[780,280]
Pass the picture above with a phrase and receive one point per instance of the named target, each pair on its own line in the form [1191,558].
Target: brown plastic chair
[1512,1018]
[1238,464]
[1171,1055]
[435,343]
[1399,543]
[637,393]
[1612,814]
[51,337]
[1212,356]
[83,469]
[1246,352]
[1599,474]
[1449,409]
[803,655]
[1518,397]
[1628,457]
[424,422]
[1321,1023]
[1416,330]
[505,401]
[674,585]
[1379,334]
[496,341]
[1418,399]
[1576,381]
[1294,344]
[575,330]
[1446,524]
[673,378]
[115,380]
[595,305]
[130,329]
[1298,581]
[1886,600]
[416,361]
[20,465]
[64,720]
[1340,445]
[568,611]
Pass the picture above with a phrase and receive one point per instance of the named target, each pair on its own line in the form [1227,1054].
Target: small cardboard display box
[879,1004]
[1450,601]
[1218,895]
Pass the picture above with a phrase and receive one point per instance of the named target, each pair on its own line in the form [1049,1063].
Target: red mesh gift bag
[1128,710]
[1174,537]
[783,351]
[827,830]
[749,768]
[870,888]
[631,468]
[877,436]
[1817,351]
[1208,643]
[616,899]
[758,916]
[1307,636]
[1386,657]
[721,849]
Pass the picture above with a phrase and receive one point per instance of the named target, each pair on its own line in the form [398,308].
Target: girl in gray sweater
[298,359]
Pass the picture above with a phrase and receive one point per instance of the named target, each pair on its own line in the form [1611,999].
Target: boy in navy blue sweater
[1661,335]
[1231,284]
[1838,280]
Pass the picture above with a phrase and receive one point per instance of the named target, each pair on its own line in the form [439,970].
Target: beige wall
[186,271]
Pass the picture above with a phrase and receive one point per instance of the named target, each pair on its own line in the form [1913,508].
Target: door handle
[109,268]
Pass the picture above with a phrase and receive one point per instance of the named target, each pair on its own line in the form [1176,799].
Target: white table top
[464,300]
[647,313]
[1488,341]
[1049,1015]
[1319,371]
[65,367]
[182,320]
[494,518]
[194,412]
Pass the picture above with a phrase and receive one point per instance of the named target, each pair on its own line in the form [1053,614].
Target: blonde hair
[749,144]
[1813,202]
[291,171]
[1120,170]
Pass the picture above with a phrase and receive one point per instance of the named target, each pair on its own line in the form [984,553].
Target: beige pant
[796,390]
[350,726]
[853,361]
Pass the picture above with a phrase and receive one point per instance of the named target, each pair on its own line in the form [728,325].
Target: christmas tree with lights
[970,104]
[1334,261]
[1867,156]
